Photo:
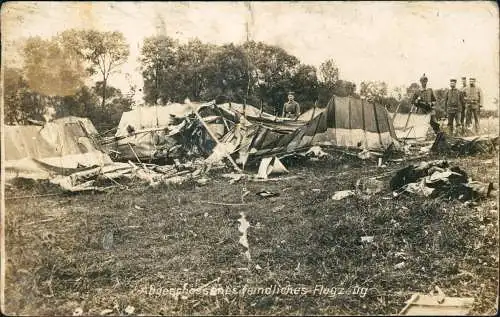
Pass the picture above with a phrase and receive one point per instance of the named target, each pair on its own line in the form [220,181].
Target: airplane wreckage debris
[438,179]
[465,145]
[182,142]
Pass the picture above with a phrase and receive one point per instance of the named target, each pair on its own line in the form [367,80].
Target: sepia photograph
[249,158]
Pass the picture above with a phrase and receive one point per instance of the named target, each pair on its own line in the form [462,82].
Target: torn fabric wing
[59,146]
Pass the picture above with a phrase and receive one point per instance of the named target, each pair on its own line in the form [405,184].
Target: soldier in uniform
[462,90]
[453,104]
[473,102]
[291,109]
[424,100]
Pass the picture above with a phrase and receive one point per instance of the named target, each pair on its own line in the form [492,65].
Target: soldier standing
[474,102]
[424,100]
[462,90]
[453,104]
[291,109]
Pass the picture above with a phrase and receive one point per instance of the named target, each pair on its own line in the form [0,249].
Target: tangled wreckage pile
[437,178]
[180,142]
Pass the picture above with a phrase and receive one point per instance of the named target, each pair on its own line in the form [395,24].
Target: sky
[395,42]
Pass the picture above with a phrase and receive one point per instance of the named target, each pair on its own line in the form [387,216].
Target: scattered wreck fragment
[111,175]
[317,152]
[411,126]
[369,186]
[364,188]
[339,195]
[271,165]
[438,179]
[437,304]
[59,147]
[465,145]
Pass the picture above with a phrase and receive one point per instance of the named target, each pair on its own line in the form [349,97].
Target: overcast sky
[390,41]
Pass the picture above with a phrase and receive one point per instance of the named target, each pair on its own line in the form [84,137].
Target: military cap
[453,80]
[423,78]
[472,79]
[291,93]
[464,78]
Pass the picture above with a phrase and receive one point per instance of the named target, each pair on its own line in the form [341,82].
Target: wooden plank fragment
[427,305]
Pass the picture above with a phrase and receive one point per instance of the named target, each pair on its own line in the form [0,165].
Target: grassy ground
[169,237]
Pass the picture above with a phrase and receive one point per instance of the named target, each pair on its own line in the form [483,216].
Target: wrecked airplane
[174,131]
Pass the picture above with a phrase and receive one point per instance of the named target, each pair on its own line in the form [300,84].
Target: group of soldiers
[460,105]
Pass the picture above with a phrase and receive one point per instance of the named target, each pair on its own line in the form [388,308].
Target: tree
[158,64]
[374,91]
[193,65]
[13,84]
[413,88]
[117,104]
[390,103]
[85,103]
[230,75]
[20,102]
[53,76]
[305,85]
[331,84]
[398,92]
[329,73]
[342,88]
[82,104]
[271,69]
[106,51]
[51,69]
[439,107]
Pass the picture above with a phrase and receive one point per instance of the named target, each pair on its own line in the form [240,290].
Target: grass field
[170,237]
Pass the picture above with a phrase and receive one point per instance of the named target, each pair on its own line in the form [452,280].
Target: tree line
[68,73]
[72,71]
[254,73]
